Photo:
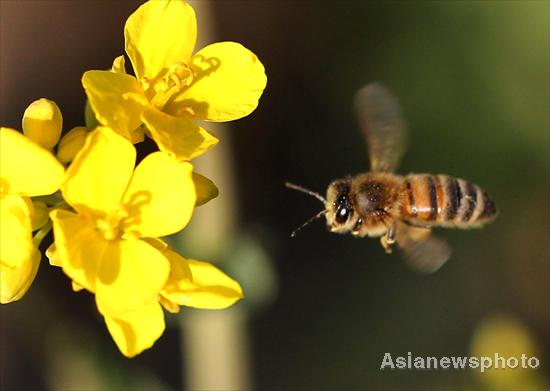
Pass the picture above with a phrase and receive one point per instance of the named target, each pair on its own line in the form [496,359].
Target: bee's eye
[342,214]
[344,208]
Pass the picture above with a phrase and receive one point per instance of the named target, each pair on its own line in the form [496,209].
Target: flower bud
[42,122]
[71,143]
[39,215]
[15,282]
[206,189]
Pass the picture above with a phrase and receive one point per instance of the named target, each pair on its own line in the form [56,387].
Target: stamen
[180,77]
[145,83]
[186,111]
[184,74]
[110,225]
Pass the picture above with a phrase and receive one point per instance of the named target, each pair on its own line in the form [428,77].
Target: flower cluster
[107,213]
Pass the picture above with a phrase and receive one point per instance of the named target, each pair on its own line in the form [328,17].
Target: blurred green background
[321,310]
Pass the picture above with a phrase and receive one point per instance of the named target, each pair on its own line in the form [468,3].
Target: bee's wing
[379,117]
[421,249]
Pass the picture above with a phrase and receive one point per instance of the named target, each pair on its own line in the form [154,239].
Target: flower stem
[41,234]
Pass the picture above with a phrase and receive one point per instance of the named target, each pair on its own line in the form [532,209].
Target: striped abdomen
[445,201]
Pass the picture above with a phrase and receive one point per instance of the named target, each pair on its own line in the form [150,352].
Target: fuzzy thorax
[366,204]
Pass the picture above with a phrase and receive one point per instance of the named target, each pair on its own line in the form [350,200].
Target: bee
[401,210]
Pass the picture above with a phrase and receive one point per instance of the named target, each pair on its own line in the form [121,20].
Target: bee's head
[341,215]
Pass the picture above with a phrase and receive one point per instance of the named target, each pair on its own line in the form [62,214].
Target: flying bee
[400,210]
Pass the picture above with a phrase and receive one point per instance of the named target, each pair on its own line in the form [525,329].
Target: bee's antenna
[304,190]
[307,222]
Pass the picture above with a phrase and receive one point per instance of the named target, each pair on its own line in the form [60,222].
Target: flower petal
[178,136]
[206,189]
[116,99]
[208,287]
[161,196]
[42,122]
[15,282]
[229,80]
[100,172]
[52,255]
[119,65]
[168,305]
[15,231]
[138,330]
[27,168]
[79,248]
[158,35]
[132,274]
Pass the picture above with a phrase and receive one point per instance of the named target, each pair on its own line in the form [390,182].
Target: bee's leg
[388,239]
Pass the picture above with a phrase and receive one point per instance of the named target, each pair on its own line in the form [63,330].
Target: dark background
[322,309]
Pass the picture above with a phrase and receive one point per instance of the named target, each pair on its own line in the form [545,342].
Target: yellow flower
[101,246]
[172,87]
[26,170]
[19,256]
[109,245]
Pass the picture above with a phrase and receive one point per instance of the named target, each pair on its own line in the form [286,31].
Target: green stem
[41,234]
